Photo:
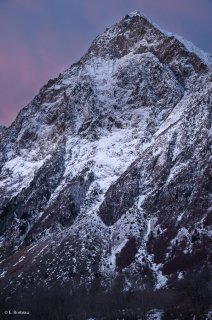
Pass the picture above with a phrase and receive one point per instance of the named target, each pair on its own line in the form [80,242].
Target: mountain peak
[204,56]
[135,33]
[107,170]
[135,13]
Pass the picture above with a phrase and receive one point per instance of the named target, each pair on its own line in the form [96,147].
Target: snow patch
[20,260]
[2,275]
[204,56]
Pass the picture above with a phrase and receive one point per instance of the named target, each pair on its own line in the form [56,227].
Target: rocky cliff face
[108,169]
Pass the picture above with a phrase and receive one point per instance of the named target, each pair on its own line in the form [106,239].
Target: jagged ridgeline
[105,181]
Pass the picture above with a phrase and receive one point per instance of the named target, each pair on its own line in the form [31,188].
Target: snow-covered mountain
[108,170]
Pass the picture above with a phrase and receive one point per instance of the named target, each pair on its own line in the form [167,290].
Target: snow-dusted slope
[107,170]
[204,56]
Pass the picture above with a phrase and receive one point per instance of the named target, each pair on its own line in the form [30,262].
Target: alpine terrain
[106,182]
